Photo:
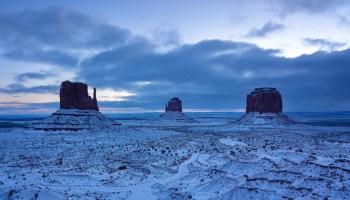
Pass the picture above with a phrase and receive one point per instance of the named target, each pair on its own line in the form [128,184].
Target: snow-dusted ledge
[176,117]
[74,119]
[255,118]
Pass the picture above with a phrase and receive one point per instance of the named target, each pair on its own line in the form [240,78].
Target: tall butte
[78,111]
[264,107]
[175,104]
[75,95]
[173,112]
[264,100]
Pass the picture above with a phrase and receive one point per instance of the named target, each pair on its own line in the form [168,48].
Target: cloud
[40,109]
[310,6]
[210,74]
[55,35]
[218,74]
[265,30]
[59,27]
[34,75]
[166,38]
[324,44]
[55,57]
[20,88]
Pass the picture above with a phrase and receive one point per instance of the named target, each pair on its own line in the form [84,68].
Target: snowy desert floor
[177,162]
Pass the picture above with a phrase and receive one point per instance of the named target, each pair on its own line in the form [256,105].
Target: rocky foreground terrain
[197,161]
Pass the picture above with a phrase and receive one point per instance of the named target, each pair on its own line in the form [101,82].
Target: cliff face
[75,95]
[174,104]
[264,100]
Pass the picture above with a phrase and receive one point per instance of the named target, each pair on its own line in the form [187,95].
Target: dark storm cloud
[20,88]
[34,75]
[58,26]
[211,74]
[218,74]
[50,35]
[59,58]
[265,30]
[324,44]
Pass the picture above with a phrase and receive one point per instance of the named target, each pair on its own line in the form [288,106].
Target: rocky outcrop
[78,111]
[264,100]
[74,120]
[264,108]
[264,119]
[75,95]
[173,113]
[174,104]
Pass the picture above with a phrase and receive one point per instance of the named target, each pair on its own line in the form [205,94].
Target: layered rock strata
[264,100]
[264,107]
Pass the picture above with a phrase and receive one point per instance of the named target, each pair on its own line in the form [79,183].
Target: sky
[210,54]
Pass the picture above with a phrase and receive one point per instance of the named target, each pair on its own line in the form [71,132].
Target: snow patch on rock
[255,118]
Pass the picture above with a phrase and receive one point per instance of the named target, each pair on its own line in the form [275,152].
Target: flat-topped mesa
[264,100]
[174,104]
[75,95]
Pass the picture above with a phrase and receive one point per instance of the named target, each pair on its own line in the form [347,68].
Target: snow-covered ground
[196,161]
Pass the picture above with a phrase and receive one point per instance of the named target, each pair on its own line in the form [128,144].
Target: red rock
[174,104]
[264,100]
[75,95]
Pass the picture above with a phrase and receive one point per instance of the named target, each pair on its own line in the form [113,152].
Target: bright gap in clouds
[109,94]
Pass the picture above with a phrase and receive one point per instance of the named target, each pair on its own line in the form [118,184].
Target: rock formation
[264,107]
[264,100]
[75,95]
[174,104]
[173,112]
[78,111]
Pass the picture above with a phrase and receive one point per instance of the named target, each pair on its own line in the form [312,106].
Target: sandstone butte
[264,100]
[174,104]
[75,95]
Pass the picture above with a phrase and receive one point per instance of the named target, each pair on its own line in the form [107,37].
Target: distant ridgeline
[78,111]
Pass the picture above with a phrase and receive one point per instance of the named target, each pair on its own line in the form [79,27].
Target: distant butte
[75,95]
[174,104]
[173,112]
[264,100]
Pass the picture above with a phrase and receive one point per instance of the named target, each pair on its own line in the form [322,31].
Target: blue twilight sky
[139,54]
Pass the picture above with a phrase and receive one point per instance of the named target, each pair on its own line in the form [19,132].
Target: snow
[176,116]
[73,119]
[186,161]
[231,142]
[266,119]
